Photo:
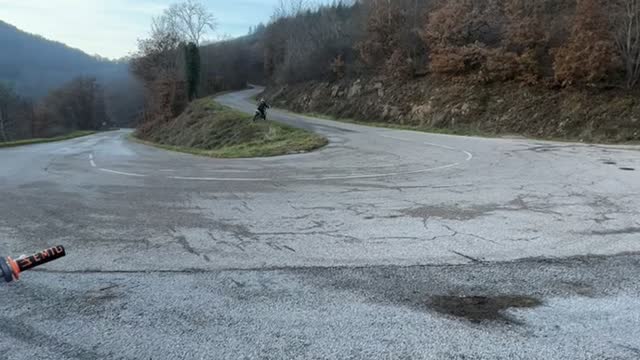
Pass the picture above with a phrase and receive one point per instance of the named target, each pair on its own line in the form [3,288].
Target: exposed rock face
[355,89]
[509,108]
[335,90]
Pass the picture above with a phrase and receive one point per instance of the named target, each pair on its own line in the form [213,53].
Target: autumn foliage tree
[159,64]
[486,40]
[527,41]
[589,55]
[168,61]
[384,19]
[458,33]
[337,67]
[391,43]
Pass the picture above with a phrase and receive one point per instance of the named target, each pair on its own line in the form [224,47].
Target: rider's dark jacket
[263,106]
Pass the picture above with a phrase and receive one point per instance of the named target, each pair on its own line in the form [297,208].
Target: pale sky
[110,28]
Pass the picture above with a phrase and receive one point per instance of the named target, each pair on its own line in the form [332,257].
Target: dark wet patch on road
[451,212]
[454,212]
[627,169]
[102,295]
[482,293]
[479,309]
[542,148]
[624,231]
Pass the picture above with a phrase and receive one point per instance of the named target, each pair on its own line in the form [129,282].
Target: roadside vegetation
[540,68]
[72,135]
[210,129]
[77,105]
[48,89]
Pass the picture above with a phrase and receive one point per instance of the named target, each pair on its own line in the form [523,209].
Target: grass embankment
[209,129]
[69,136]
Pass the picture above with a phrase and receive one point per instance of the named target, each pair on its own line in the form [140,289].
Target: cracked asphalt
[384,245]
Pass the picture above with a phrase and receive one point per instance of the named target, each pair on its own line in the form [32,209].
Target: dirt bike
[10,269]
[259,115]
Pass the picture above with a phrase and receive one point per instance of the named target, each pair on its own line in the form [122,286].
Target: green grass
[207,128]
[69,136]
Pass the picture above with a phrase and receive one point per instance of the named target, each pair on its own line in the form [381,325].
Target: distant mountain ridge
[35,65]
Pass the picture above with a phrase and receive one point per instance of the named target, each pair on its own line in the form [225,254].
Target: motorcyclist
[262,108]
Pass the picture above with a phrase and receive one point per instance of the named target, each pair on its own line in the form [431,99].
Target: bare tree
[159,65]
[191,20]
[291,8]
[625,23]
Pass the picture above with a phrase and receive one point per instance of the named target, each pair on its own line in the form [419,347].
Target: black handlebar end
[7,274]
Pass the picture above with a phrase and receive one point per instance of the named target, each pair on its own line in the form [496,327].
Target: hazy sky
[110,28]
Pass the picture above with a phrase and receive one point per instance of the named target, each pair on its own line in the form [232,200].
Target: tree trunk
[2,132]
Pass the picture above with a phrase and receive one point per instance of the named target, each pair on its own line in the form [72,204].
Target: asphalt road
[384,245]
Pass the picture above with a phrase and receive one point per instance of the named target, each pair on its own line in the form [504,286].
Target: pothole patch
[479,309]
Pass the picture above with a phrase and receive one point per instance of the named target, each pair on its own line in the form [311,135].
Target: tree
[78,105]
[192,54]
[303,45]
[382,40]
[159,65]
[191,20]
[625,26]
[7,96]
[525,39]
[461,34]
[156,55]
[290,9]
[589,55]
[16,115]
[337,67]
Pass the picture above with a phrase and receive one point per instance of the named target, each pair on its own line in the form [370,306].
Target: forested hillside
[472,65]
[35,65]
[557,42]
[543,68]
[49,89]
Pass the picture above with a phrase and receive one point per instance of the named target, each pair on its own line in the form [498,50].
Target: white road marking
[350,177]
[346,177]
[231,171]
[90,156]
[121,173]
[216,179]
[469,155]
[93,163]
[442,146]
[371,176]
